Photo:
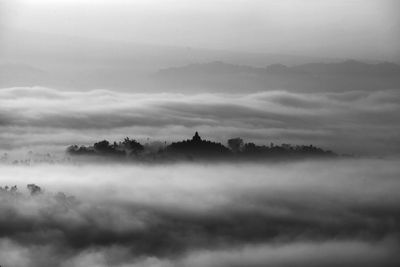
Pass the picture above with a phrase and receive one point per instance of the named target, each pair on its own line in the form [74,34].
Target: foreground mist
[315,213]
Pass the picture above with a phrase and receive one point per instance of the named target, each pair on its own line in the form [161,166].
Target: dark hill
[197,149]
[343,76]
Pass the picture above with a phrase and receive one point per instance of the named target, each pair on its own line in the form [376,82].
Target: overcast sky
[352,121]
[336,28]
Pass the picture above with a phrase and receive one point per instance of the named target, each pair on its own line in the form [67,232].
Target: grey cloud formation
[345,253]
[331,213]
[354,122]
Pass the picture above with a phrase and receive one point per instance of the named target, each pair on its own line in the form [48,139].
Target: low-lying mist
[310,213]
[49,120]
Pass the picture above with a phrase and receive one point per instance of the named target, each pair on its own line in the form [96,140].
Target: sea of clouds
[352,122]
[339,212]
[309,213]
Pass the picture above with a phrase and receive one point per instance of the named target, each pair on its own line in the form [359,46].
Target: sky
[76,42]
[61,62]
[334,28]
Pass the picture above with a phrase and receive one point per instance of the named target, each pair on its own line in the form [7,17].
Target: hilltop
[197,148]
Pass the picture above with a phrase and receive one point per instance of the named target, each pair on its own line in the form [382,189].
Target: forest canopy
[197,148]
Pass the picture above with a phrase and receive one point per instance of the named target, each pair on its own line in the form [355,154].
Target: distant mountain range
[39,59]
[313,77]
[78,63]
[216,76]
[348,67]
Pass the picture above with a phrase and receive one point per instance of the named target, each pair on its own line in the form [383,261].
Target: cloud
[335,253]
[11,254]
[364,122]
[332,213]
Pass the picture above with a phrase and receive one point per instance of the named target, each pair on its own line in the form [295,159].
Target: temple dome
[196,137]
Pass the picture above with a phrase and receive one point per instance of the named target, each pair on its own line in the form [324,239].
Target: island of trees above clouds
[197,149]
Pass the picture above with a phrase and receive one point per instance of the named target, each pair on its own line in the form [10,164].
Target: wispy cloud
[331,213]
[348,122]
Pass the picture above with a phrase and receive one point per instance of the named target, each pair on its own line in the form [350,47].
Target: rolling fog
[309,213]
[294,72]
[48,120]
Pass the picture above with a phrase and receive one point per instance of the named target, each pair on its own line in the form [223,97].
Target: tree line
[197,148]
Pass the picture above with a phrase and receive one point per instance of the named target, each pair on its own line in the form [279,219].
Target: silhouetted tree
[198,147]
[235,144]
[7,189]
[102,146]
[34,189]
[250,148]
[131,146]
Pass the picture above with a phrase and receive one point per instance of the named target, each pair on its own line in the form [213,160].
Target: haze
[332,213]
[361,29]
[169,133]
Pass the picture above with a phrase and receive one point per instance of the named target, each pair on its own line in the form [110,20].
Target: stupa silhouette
[196,138]
[198,147]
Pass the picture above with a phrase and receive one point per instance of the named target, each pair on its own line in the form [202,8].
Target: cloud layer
[331,213]
[360,122]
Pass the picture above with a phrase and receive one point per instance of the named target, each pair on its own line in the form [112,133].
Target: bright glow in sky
[338,28]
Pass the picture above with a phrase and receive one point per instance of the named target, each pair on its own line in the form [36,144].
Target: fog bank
[330,213]
[44,119]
